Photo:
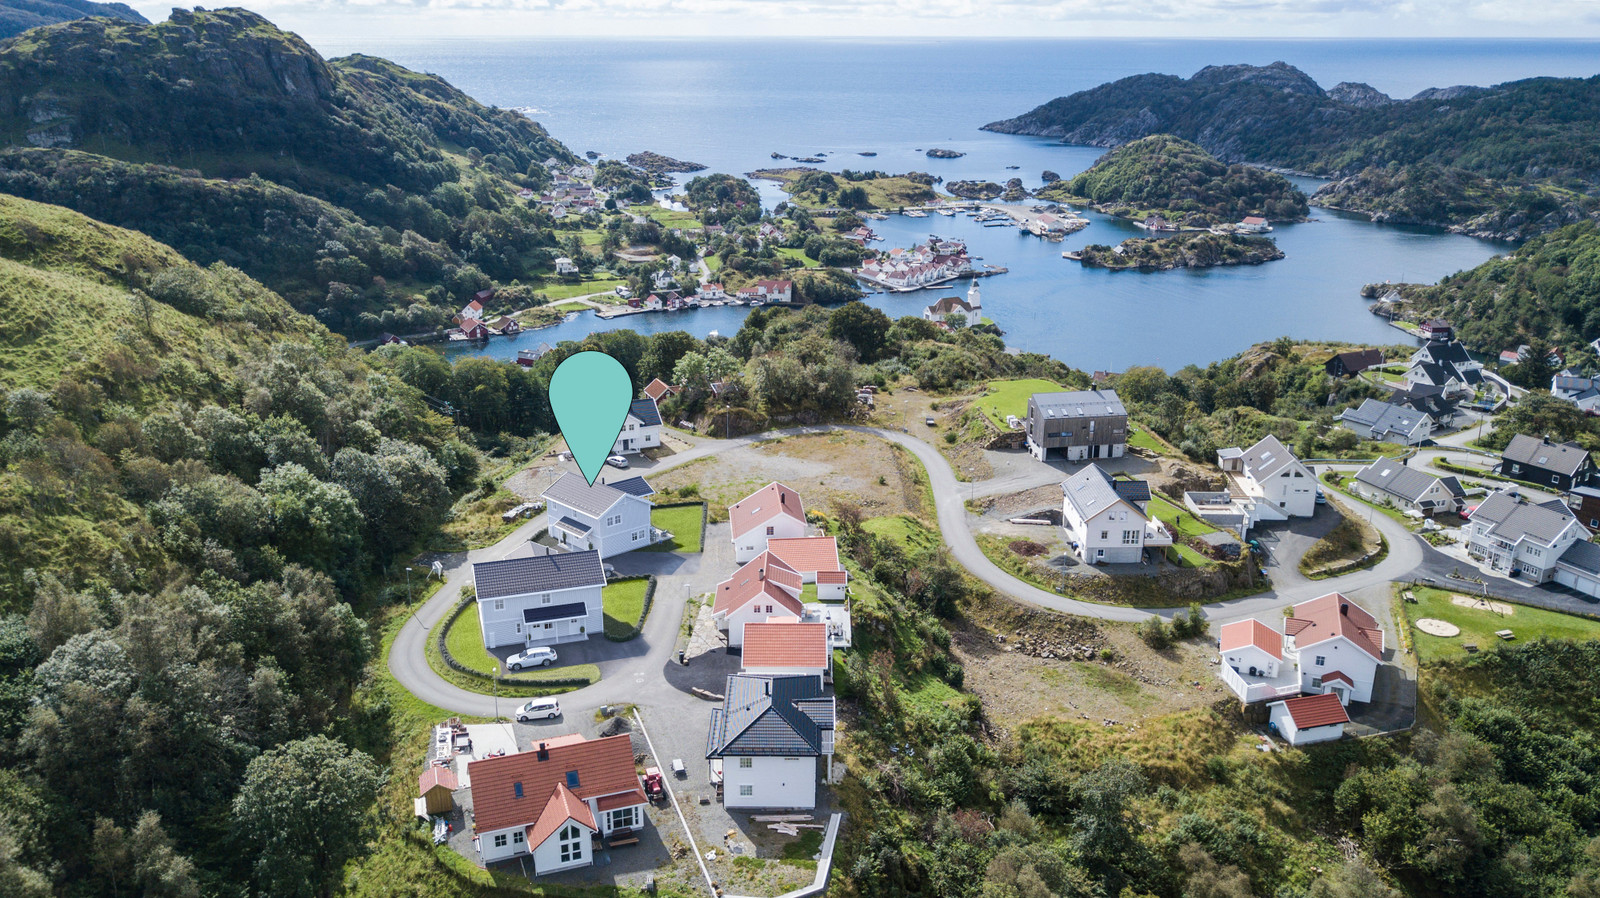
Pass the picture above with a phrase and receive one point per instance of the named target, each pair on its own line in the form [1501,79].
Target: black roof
[770,716]
[634,486]
[1132,490]
[1448,351]
[645,410]
[542,613]
[539,573]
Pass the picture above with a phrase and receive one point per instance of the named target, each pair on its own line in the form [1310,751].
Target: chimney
[544,754]
[1344,608]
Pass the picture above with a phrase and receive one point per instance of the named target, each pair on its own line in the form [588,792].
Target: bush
[1155,632]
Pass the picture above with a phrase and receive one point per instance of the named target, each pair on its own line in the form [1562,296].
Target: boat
[916,213]
[947,213]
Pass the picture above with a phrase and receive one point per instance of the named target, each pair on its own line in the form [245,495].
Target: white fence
[1250,693]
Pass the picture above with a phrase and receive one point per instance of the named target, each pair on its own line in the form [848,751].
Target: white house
[611,518]
[1387,422]
[539,599]
[641,430]
[769,291]
[1445,364]
[772,511]
[1389,480]
[549,802]
[1336,645]
[766,741]
[1105,519]
[787,648]
[763,588]
[812,556]
[1274,483]
[712,291]
[952,305]
[1522,538]
[565,267]
[1254,224]
[1253,665]
[1308,719]
[1584,392]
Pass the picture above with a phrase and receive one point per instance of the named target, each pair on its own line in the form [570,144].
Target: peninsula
[1197,250]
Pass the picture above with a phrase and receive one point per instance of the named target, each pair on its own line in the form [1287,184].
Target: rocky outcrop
[1199,250]
[657,164]
[974,190]
[1359,95]
[944,154]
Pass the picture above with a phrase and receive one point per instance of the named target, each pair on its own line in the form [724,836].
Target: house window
[771,531]
[635,536]
[747,791]
[1105,534]
[519,628]
[745,763]
[516,837]
[1316,682]
[1322,660]
[499,604]
[624,817]
[1130,537]
[546,598]
[1555,478]
[571,843]
[1516,468]
[500,840]
[550,625]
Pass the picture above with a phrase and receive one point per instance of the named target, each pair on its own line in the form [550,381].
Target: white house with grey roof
[1386,422]
[1584,392]
[1268,482]
[1522,538]
[539,599]
[1106,520]
[641,430]
[766,740]
[1390,481]
[612,518]
[1079,425]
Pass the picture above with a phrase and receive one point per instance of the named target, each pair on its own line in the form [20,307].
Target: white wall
[635,437]
[629,528]
[786,672]
[1342,655]
[773,782]
[754,541]
[1241,660]
[489,853]
[1293,491]
[831,592]
[1112,522]
[547,857]
[1294,736]
[501,619]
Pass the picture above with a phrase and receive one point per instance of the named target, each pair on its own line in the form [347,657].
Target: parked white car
[540,709]
[617,461]
[538,656]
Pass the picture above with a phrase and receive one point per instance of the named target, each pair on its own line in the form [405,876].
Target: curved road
[637,679]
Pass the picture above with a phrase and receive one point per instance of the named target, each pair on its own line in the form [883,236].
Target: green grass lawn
[799,255]
[714,262]
[1478,625]
[685,525]
[901,528]
[557,291]
[569,307]
[1138,438]
[465,640]
[668,218]
[624,603]
[1180,519]
[1010,397]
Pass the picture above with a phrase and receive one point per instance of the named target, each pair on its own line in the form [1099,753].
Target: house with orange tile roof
[780,647]
[813,557]
[763,588]
[658,388]
[774,510]
[1308,719]
[548,803]
[1330,645]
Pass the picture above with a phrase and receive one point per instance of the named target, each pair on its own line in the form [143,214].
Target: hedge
[649,598]
[444,652]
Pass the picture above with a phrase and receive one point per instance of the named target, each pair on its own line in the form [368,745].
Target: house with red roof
[436,787]
[774,510]
[763,588]
[548,803]
[810,555]
[658,388]
[1308,719]
[1330,645]
[781,647]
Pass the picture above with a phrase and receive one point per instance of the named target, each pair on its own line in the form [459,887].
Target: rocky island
[974,190]
[1200,250]
[945,154]
[657,164]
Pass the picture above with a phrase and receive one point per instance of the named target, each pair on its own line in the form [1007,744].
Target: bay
[729,104]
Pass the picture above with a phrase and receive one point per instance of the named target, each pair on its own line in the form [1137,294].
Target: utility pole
[409,603]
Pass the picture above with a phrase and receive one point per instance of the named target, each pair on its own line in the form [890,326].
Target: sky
[344,19]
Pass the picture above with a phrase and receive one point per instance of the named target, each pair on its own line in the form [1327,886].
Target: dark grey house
[1077,425]
[1558,466]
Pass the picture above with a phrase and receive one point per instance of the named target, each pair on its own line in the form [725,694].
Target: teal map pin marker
[590,394]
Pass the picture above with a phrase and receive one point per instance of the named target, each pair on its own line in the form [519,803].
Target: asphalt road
[638,678]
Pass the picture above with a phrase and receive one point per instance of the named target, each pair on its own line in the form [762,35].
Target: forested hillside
[1539,134]
[1167,175]
[378,188]
[196,483]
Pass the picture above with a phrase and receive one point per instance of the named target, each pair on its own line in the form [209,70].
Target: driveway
[635,673]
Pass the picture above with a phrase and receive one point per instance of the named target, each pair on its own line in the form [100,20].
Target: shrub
[1155,632]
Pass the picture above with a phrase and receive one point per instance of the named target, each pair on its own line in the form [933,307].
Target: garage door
[1585,585]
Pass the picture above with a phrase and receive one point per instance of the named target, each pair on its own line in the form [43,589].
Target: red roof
[435,776]
[1309,711]
[562,806]
[1338,675]
[1254,219]
[786,645]
[761,506]
[833,577]
[1239,634]
[599,766]
[807,554]
[620,800]
[657,388]
[1333,615]
[764,575]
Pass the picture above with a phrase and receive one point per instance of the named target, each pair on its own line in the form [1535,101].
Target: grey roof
[538,573]
[1559,507]
[1443,351]
[1572,384]
[1453,484]
[634,486]
[573,491]
[541,613]
[1582,555]
[1392,477]
[1514,518]
[1132,490]
[1563,458]
[1427,399]
[1589,491]
[1092,491]
[1079,404]
[1381,418]
[1267,458]
[645,410]
[770,716]
[575,526]
[1437,375]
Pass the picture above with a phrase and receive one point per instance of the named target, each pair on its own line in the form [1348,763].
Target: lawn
[558,291]
[669,218]
[1478,625]
[624,604]
[465,641]
[1139,438]
[1010,397]
[1180,519]
[684,524]
[569,306]
[903,529]
[799,255]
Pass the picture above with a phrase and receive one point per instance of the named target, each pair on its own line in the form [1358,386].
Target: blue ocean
[730,104]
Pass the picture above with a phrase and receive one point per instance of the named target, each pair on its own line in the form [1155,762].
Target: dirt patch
[909,410]
[531,482]
[1025,663]
[1500,608]
[825,468]
[1436,627]
[1014,505]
